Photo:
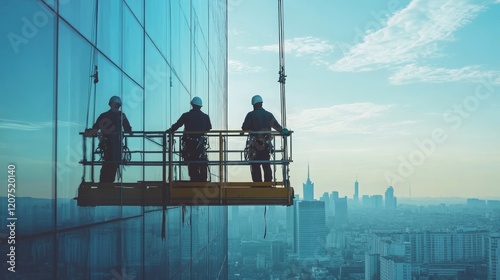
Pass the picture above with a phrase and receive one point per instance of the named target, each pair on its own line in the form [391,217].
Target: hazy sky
[394,92]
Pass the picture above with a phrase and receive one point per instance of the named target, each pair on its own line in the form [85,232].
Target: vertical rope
[282,75]
[94,75]
[282,80]
[265,222]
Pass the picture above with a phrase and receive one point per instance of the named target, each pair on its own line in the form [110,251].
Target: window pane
[109,29]
[81,15]
[133,51]
[155,248]
[137,7]
[181,45]
[132,244]
[133,102]
[27,122]
[76,111]
[158,24]
[157,115]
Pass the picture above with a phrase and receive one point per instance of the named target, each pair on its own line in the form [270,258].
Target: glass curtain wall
[156,55]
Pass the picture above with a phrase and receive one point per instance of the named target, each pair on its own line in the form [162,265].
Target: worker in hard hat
[110,124]
[194,140]
[260,122]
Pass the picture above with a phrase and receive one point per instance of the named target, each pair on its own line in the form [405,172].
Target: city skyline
[390,92]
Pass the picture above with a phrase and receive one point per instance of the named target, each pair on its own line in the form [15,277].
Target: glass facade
[154,54]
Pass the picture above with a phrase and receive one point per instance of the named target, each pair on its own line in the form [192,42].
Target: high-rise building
[329,204]
[291,223]
[356,192]
[372,266]
[311,229]
[156,56]
[390,199]
[335,196]
[494,256]
[432,247]
[377,201]
[308,187]
[341,212]
[394,267]
[278,252]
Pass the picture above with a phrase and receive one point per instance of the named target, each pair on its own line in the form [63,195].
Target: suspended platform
[185,193]
[163,156]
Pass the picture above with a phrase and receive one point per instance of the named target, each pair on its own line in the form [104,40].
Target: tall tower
[311,228]
[308,187]
[341,212]
[390,200]
[356,191]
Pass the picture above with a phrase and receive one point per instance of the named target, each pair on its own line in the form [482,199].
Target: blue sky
[402,93]
[392,92]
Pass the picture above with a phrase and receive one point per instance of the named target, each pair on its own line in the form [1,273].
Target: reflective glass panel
[27,122]
[109,30]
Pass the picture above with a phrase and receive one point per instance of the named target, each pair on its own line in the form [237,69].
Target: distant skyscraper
[335,196]
[394,267]
[292,225]
[494,257]
[341,216]
[372,266]
[376,201]
[311,228]
[328,204]
[390,200]
[308,188]
[421,246]
[356,191]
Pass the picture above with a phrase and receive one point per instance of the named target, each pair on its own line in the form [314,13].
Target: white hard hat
[196,101]
[256,99]
[115,99]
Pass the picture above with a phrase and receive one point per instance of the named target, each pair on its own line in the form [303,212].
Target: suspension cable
[282,80]
[281,72]
[94,75]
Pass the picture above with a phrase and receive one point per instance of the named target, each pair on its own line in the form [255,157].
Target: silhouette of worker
[260,122]
[110,124]
[194,144]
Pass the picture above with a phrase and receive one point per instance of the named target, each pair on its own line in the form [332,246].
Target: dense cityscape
[358,237]
[367,237]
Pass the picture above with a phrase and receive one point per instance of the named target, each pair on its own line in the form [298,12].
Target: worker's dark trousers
[255,168]
[198,171]
[112,156]
[195,151]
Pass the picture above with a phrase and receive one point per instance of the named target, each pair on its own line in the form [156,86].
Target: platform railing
[226,151]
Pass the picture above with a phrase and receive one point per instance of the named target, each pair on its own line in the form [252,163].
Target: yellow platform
[154,193]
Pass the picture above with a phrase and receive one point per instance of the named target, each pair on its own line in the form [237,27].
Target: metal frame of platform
[175,193]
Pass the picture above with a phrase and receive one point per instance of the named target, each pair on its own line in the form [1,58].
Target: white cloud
[343,118]
[410,34]
[412,73]
[299,46]
[238,66]
[234,32]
